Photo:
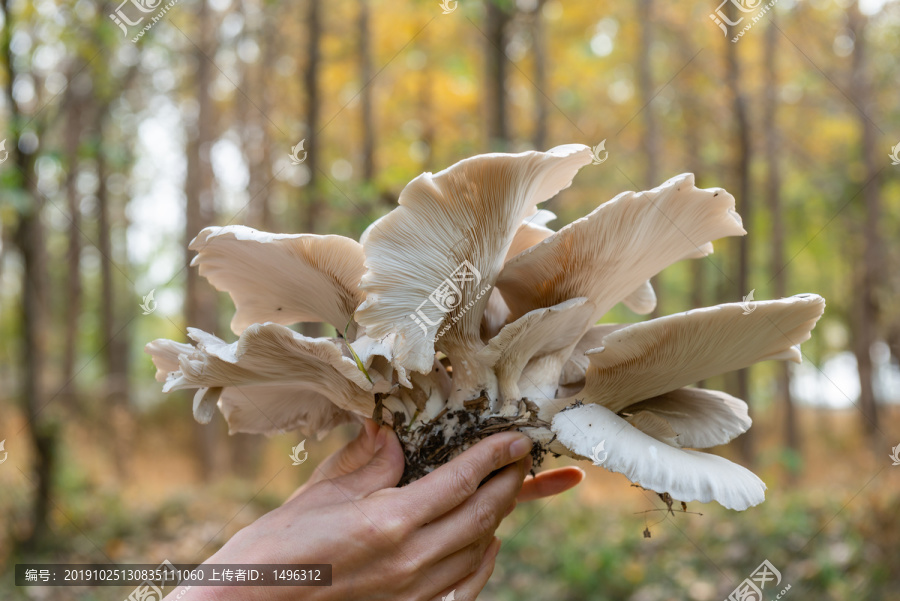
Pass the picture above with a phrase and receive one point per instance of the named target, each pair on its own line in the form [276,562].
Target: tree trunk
[865,305]
[496,20]
[741,167]
[71,139]
[28,238]
[365,97]
[311,83]
[650,142]
[693,119]
[200,300]
[257,141]
[114,334]
[541,88]
[773,194]
[313,93]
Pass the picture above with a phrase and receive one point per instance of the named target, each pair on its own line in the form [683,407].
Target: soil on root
[425,448]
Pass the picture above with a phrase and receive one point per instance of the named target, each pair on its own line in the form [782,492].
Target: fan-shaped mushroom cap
[378,353]
[651,358]
[165,355]
[282,278]
[608,255]
[529,233]
[464,217]
[700,418]
[263,374]
[275,408]
[686,475]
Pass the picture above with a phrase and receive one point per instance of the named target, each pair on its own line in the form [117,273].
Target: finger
[469,587]
[348,458]
[551,482]
[477,517]
[454,482]
[383,470]
[459,565]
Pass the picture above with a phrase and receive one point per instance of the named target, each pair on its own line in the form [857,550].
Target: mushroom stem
[471,378]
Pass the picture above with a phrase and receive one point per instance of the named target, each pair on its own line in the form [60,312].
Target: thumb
[351,457]
[383,470]
[348,458]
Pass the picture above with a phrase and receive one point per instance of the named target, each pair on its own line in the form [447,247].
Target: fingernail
[520,447]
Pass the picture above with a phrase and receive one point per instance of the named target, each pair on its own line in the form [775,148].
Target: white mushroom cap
[700,418]
[608,255]
[495,315]
[468,213]
[686,475]
[369,349]
[282,278]
[527,236]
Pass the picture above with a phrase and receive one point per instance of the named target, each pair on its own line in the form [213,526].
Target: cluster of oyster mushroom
[459,314]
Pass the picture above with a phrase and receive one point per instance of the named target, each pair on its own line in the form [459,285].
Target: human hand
[359,451]
[418,542]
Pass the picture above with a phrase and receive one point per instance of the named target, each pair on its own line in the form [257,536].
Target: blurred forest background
[119,146]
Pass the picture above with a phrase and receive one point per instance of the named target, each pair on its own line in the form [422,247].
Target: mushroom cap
[651,358]
[608,255]
[282,278]
[686,475]
[465,216]
[700,418]
[262,375]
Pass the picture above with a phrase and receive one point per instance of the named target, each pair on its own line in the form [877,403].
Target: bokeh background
[119,146]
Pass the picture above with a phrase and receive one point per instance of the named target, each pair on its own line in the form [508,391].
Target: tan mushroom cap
[527,236]
[275,408]
[658,356]
[529,233]
[165,355]
[267,359]
[282,278]
[608,255]
[651,358]
[467,214]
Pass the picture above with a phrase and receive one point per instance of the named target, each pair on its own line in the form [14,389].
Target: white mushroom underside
[686,475]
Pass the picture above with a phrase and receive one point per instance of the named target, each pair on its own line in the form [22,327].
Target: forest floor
[829,524]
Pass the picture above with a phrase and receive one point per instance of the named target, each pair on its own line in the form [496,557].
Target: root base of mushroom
[425,447]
